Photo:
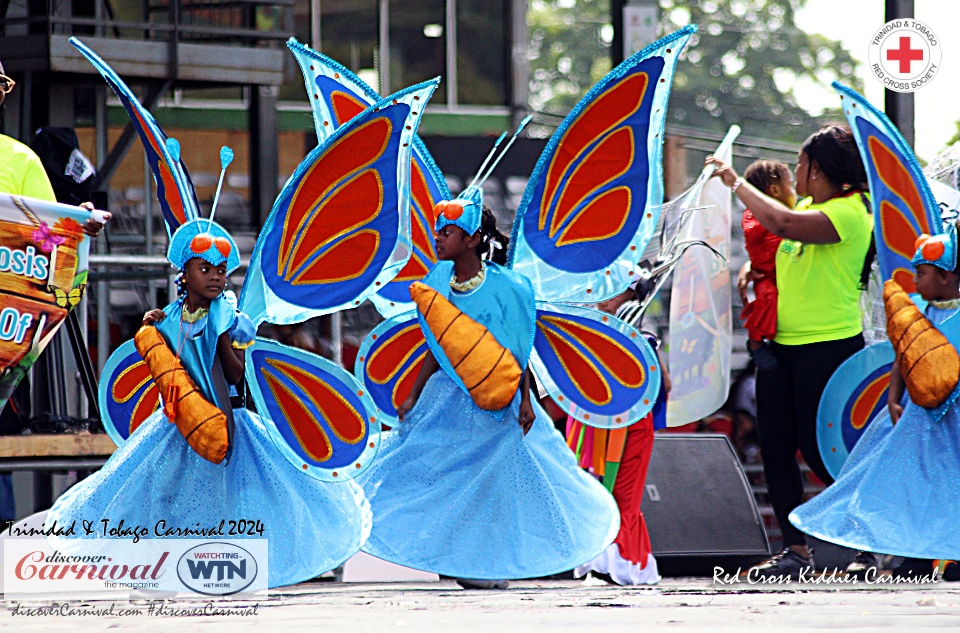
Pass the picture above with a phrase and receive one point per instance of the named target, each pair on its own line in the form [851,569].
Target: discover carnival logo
[217,569]
[904,55]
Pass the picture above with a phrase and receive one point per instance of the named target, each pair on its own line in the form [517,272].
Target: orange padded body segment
[488,370]
[929,364]
[202,424]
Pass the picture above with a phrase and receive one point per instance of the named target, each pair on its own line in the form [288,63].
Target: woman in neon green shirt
[819,266]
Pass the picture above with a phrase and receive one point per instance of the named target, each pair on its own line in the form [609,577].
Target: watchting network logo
[904,55]
[217,569]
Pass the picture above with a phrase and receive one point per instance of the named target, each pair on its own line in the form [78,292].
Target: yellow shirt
[21,171]
[819,284]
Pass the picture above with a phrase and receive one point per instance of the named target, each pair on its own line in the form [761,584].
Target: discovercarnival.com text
[156,609]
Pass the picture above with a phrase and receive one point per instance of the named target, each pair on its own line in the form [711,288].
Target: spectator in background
[820,269]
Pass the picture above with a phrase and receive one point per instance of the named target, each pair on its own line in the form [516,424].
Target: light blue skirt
[458,493]
[898,490]
[311,526]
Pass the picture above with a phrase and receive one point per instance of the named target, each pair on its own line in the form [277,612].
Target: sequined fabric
[897,492]
[311,526]
[457,492]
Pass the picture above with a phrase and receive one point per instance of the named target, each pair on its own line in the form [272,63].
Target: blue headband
[939,250]
[465,211]
[206,240]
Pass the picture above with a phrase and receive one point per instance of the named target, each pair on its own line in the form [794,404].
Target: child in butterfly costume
[476,482]
[154,476]
[895,493]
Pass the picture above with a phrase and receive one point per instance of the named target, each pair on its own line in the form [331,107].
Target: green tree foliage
[741,67]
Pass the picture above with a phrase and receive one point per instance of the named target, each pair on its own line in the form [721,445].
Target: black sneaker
[951,571]
[864,562]
[786,564]
[914,569]
[763,358]
[471,583]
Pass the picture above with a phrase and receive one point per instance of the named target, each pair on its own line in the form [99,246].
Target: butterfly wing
[127,394]
[594,197]
[178,200]
[334,236]
[336,96]
[389,361]
[854,396]
[597,368]
[319,416]
[903,204]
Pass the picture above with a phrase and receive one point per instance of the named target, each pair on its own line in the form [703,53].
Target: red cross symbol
[905,55]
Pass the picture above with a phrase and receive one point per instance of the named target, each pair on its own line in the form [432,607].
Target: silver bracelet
[736,184]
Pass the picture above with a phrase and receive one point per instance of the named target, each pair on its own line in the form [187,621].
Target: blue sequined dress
[897,492]
[460,491]
[311,526]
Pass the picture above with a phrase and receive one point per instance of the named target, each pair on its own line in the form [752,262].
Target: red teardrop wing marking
[345,106]
[385,361]
[358,149]
[347,423]
[904,277]
[404,384]
[346,260]
[607,111]
[898,234]
[170,190]
[422,234]
[609,160]
[581,371]
[615,359]
[414,270]
[310,435]
[867,401]
[354,204]
[898,179]
[145,407]
[130,381]
[602,218]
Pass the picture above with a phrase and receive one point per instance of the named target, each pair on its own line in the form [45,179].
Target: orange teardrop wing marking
[414,270]
[404,384]
[602,218]
[387,359]
[145,407]
[172,193]
[355,203]
[345,421]
[350,154]
[423,235]
[305,426]
[129,382]
[867,400]
[607,111]
[608,160]
[898,179]
[346,260]
[621,364]
[898,234]
[345,106]
[904,277]
[580,369]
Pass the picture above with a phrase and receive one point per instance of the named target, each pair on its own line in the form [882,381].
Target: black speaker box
[699,507]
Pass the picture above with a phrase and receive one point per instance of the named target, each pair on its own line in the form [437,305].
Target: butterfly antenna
[487,159]
[523,124]
[226,157]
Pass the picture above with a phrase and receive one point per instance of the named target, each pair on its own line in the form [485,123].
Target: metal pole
[385,47]
[899,106]
[451,41]
[315,32]
[336,337]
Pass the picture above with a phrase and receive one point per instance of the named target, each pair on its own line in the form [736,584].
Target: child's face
[452,242]
[203,279]
[934,283]
[784,191]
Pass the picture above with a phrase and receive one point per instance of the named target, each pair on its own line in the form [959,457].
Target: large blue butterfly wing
[178,200]
[389,362]
[317,413]
[336,96]
[335,234]
[127,394]
[904,207]
[594,197]
[597,368]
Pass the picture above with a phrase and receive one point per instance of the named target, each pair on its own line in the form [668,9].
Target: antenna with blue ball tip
[226,157]
[487,159]
[486,175]
[173,147]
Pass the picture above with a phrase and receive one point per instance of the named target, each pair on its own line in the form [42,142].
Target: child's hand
[895,412]
[154,316]
[527,416]
[745,277]
[404,408]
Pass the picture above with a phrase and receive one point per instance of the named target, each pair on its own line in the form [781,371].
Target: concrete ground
[675,605]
